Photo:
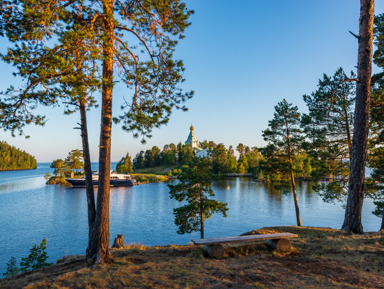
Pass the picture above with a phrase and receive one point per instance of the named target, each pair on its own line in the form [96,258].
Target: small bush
[12,268]
[36,259]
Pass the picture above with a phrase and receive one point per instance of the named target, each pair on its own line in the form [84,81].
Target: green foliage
[60,167]
[36,259]
[195,188]
[11,158]
[223,161]
[58,50]
[185,153]
[376,137]
[284,138]
[149,178]
[252,158]
[125,166]
[12,268]
[328,127]
[47,176]
[241,168]
[74,160]
[168,157]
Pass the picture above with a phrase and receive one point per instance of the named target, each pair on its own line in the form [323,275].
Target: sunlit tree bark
[352,219]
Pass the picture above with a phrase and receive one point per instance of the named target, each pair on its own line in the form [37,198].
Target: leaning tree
[66,49]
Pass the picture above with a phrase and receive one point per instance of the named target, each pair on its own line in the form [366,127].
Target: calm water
[31,210]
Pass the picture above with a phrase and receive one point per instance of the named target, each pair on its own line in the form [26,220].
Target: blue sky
[241,58]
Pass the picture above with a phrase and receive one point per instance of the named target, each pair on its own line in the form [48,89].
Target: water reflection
[31,210]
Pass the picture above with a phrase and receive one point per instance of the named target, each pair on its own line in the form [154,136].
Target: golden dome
[191,128]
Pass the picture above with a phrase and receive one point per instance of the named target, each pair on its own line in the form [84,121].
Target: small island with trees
[12,158]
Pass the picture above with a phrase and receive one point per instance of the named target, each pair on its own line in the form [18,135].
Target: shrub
[12,268]
[36,259]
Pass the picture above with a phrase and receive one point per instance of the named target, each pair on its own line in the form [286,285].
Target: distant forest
[11,158]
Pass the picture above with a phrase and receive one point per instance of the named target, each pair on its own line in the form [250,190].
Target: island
[12,158]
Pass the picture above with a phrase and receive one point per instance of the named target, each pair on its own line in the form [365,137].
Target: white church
[192,140]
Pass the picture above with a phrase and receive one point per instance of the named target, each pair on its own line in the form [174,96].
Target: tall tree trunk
[91,249]
[352,220]
[298,218]
[382,223]
[349,142]
[202,227]
[101,227]
[201,216]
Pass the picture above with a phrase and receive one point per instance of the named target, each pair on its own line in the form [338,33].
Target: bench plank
[248,238]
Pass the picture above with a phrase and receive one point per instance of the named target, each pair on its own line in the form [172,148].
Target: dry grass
[322,258]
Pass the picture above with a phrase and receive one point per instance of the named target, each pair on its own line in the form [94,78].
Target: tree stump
[118,242]
[281,245]
[214,251]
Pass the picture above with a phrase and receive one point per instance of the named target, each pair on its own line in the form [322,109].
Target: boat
[116,180]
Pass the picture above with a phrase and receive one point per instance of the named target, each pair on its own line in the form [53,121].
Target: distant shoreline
[9,170]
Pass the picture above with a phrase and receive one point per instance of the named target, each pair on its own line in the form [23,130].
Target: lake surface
[31,210]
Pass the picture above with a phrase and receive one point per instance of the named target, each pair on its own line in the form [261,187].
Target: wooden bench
[278,241]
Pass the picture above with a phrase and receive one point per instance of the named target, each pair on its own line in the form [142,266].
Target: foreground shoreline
[322,258]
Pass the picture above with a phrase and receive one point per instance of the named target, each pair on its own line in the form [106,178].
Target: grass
[150,178]
[322,258]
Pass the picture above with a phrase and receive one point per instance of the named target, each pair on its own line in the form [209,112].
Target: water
[31,210]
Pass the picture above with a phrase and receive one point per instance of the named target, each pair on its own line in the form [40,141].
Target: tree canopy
[284,138]
[12,158]
[195,188]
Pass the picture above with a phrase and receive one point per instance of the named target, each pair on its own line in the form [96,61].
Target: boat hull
[80,183]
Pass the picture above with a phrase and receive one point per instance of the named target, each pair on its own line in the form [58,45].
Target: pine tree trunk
[349,142]
[202,228]
[352,220]
[101,228]
[382,223]
[201,216]
[91,249]
[298,218]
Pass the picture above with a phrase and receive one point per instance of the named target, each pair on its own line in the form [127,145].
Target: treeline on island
[249,160]
[12,158]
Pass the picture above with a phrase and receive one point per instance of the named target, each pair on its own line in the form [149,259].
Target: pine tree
[47,36]
[284,138]
[124,166]
[195,188]
[353,210]
[376,138]
[328,127]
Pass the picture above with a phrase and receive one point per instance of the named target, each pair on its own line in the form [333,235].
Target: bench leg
[281,245]
[214,251]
